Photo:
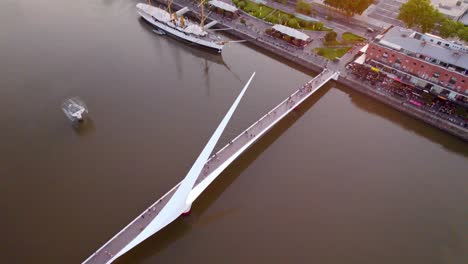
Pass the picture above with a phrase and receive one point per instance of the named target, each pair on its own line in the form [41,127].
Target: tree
[283,19]
[273,20]
[318,26]
[293,23]
[449,28]
[242,21]
[241,4]
[331,36]
[420,13]
[349,7]
[463,34]
[303,7]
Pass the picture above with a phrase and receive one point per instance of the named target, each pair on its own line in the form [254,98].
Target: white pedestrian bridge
[203,172]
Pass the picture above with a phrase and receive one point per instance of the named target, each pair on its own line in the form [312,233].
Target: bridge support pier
[187,211]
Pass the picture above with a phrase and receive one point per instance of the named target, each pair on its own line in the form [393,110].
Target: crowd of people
[443,108]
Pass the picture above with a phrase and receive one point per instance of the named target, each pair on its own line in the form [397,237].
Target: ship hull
[181,35]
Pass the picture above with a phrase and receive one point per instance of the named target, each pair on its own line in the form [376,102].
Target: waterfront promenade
[253,31]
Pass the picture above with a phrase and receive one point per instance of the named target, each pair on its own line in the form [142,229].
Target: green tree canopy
[420,13]
[331,36]
[349,7]
[463,34]
[292,22]
[449,28]
[303,7]
[318,26]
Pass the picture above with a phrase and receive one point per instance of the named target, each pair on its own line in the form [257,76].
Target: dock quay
[213,166]
[317,63]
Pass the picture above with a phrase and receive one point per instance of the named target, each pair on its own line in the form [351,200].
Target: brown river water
[343,180]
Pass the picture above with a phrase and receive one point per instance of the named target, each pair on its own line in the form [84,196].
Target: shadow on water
[405,121]
[278,58]
[182,226]
[85,128]
[207,57]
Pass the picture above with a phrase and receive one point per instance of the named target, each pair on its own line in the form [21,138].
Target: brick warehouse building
[424,61]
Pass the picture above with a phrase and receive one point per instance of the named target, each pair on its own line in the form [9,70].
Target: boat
[176,25]
[75,109]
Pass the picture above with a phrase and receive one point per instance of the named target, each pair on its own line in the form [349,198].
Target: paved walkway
[385,12]
[338,25]
[365,20]
[223,156]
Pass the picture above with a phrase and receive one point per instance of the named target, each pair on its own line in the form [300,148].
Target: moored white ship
[176,25]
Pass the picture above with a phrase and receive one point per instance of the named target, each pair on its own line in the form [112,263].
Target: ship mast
[202,5]
[169,4]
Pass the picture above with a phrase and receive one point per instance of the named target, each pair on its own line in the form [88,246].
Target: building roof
[291,32]
[400,38]
[450,8]
[223,5]
[464,19]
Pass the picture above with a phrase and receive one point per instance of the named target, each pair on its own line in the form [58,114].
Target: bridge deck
[222,158]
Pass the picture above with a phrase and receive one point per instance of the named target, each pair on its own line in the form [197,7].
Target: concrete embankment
[407,108]
[366,89]
[400,105]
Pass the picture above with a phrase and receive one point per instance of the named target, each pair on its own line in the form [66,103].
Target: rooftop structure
[223,6]
[453,9]
[291,32]
[464,19]
[433,47]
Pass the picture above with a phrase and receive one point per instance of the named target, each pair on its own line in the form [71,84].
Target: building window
[398,61]
[385,55]
[453,80]
[436,75]
[393,55]
[438,42]
[422,66]
[414,63]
